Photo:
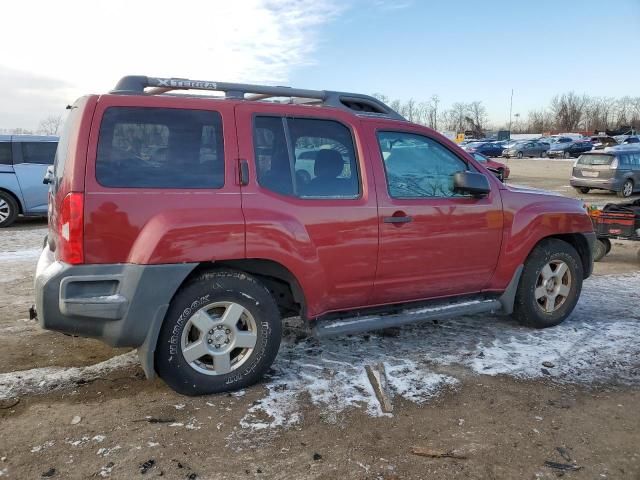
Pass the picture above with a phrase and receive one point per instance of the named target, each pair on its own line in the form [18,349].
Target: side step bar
[366,323]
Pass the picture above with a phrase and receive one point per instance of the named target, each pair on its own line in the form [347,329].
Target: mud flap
[146,351]
[508,297]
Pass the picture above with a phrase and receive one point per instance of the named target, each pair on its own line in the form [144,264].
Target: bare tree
[478,113]
[50,125]
[568,110]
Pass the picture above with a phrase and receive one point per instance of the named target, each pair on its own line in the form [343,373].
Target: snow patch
[43,380]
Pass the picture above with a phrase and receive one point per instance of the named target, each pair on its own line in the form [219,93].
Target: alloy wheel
[553,286]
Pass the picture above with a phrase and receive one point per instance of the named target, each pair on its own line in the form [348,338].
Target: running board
[345,326]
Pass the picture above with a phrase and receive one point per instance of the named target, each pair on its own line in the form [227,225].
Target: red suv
[189,226]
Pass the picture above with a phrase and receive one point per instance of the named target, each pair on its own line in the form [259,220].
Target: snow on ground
[598,344]
[43,380]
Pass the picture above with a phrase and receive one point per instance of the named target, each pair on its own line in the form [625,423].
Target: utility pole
[510,110]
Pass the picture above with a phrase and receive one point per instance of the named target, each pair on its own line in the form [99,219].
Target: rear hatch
[600,166]
[66,184]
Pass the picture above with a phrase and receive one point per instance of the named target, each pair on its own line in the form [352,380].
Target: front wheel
[585,190]
[550,284]
[567,155]
[519,155]
[221,333]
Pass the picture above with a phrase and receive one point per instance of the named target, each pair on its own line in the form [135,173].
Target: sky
[462,51]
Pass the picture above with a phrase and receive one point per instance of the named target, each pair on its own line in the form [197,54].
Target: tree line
[568,112]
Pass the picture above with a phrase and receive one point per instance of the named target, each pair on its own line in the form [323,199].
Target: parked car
[500,169]
[23,163]
[617,170]
[602,142]
[568,149]
[486,148]
[526,149]
[178,226]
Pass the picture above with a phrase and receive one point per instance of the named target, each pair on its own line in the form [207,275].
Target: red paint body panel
[330,245]
[155,226]
[339,250]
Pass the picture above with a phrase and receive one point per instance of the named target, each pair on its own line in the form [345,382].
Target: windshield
[595,159]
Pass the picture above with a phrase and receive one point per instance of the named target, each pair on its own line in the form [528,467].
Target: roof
[356,103]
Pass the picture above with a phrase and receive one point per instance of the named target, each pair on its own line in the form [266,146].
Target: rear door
[309,203]
[433,242]
[31,157]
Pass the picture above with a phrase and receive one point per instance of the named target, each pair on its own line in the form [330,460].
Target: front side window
[5,153]
[160,148]
[418,166]
[39,152]
[305,157]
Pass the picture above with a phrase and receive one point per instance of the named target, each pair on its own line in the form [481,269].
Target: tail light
[71,229]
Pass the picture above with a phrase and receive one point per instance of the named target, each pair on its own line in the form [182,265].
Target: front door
[309,202]
[434,242]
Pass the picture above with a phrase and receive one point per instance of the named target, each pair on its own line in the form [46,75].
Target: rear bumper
[117,303]
[604,183]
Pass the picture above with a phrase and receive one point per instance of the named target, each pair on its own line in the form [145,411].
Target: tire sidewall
[527,309]
[13,209]
[231,287]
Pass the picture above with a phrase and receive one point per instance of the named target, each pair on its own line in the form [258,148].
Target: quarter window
[306,158]
[418,166]
[5,153]
[160,148]
[39,152]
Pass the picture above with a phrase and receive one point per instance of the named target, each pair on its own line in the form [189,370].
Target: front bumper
[116,303]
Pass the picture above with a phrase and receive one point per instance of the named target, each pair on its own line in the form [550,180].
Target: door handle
[398,219]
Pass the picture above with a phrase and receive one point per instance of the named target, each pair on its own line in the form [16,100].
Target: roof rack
[353,102]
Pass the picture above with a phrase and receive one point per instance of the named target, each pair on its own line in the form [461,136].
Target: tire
[607,243]
[584,190]
[8,209]
[519,155]
[600,249]
[543,154]
[197,313]
[532,305]
[627,189]
[566,155]
[501,174]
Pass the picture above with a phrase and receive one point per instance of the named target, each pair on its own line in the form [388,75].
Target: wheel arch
[580,243]
[277,278]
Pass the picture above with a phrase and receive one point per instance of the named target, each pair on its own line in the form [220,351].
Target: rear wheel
[8,209]
[519,155]
[500,172]
[627,189]
[585,190]
[543,154]
[222,332]
[567,155]
[550,285]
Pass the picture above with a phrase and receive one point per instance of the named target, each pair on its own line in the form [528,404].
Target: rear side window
[160,148]
[306,158]
[39,152]
[5,153]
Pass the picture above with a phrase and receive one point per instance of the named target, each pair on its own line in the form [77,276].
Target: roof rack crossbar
[354,102]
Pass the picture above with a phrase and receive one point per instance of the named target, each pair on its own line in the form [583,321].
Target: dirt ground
[502,401]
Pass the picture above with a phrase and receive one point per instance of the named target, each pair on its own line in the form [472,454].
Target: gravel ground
[502,400]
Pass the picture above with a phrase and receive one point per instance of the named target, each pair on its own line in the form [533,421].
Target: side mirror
[472,183]
[48,177]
